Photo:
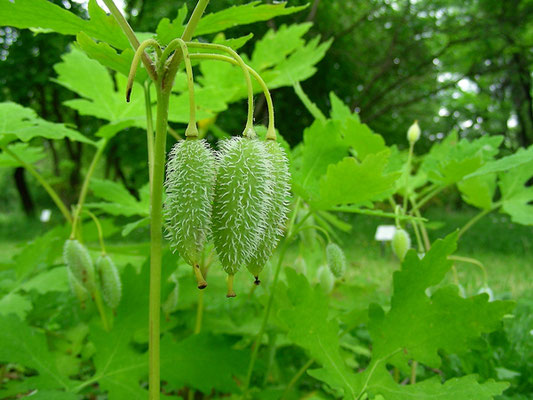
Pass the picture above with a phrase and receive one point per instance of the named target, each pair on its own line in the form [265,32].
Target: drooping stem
[51,192]
[211,46]
[98,228]
[126,28]
[271,131]
[472,261]
[296,377]
[101,309]
[85,187]
[476,218]
[139,53]
[429,196]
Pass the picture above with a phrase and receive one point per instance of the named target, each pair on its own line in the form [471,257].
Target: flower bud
[413,133]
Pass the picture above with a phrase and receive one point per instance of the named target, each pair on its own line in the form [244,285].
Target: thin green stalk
[421,248]
[429,196]
[259,337]
[156,237]
[101,309]
[476,218]
[174,62]
[139,53]
[85,187]
[271,355]
[257,77]
[126,28]
[423,229]
[414,365]
[149,130]
[98,228]
[296,377]
[192,129]
[211,46]
[407,174]
[51,192]
[199,312]
[472,261]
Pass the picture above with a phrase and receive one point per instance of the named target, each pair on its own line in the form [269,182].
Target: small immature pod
[413,133]
[300,265]
[190,188]
[336,260]
[109,280]
[278,208]
[325,278]
[401,242]
[242,196]
[79,263]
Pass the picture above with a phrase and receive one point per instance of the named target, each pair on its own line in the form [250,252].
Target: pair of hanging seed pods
[238,197]
[85,279]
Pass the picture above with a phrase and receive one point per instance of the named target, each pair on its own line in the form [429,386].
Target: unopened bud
[413,133]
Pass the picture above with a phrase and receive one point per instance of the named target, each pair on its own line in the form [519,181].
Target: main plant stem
[156,237]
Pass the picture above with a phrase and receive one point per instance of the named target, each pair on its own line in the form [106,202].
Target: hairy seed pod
[278,208]
[109,280]
[171,303]
[401,242]
[79,263]
[325,278]
[77,288]
[242,196]
[336,260]
[190,187]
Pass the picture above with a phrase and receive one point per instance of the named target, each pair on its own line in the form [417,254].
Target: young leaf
[27,346]
[453,319]
[18,122]
[23,151]
[478,190]
[49,16]
[522,156]
[119,200]
[517,198]
[242,15]
[351,182]
[213,365]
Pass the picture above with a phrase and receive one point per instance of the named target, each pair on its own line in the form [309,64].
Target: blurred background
[450,64]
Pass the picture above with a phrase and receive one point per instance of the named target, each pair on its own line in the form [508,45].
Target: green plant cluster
[308,330]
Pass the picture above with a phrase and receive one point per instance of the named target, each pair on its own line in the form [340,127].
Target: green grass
[505,249]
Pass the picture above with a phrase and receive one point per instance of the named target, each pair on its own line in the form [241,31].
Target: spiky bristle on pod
[242,197]
[190,186]
[79,263]
[401,242]
[276,215]
[109,280]
[336,260]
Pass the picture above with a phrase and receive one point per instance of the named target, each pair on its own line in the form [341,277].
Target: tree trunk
[24,193]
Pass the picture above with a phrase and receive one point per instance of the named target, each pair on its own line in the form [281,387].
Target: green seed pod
[171,303]
[336,260]
[300,265]
[242,196]
[401,242]
[109,280]
[278,208]
[325,278]
[79,263]
[190,187]
[77,288]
